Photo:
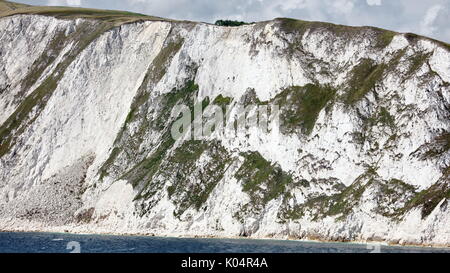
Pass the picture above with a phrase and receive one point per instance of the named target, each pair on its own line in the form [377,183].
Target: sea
[13,242]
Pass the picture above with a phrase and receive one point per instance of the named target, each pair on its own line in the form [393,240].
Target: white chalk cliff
[362,153]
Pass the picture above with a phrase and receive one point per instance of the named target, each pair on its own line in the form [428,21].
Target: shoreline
[174,236]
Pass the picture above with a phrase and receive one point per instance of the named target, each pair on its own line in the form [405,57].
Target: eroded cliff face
[362,152]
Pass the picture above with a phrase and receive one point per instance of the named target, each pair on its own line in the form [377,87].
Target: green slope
[117,17]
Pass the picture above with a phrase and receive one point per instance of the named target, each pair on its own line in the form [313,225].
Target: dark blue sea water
[66,243]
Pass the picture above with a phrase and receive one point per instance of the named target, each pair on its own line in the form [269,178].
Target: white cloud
[64,3]
[342,6]
[374,2]
[74,2]
[427,25]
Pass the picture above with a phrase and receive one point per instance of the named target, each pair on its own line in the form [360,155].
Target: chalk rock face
[360,151]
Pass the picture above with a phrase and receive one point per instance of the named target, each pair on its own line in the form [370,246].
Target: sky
[425,17]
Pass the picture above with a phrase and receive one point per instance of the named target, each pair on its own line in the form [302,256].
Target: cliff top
[116,17]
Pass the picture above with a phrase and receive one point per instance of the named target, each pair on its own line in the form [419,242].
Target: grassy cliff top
[117,17]
[6,6]
[384,36]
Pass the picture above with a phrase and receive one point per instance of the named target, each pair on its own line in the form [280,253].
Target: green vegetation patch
[392,197]
[159,65]
[300,106]
[6,6]
[138,110]
[417,61]
[230,23]
[382,117]
[222,101]
[384,38]
[340,204]
[441,146]
[146,169]
[193,185]
[49,55]
[429,199]
[156,72]
[438,147]
[250,98]
[383,120]
[261,180]
[184,95]
[363,79]
[150,176]
[144,172]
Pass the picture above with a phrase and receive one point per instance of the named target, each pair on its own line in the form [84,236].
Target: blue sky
[430,17]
